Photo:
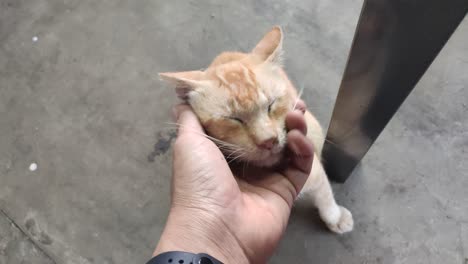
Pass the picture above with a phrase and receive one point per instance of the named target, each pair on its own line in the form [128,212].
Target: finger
[302,155]
[302,150]
[187,120]
[300,105]
[295,120]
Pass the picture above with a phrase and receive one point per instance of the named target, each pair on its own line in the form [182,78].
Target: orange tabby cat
[242,100]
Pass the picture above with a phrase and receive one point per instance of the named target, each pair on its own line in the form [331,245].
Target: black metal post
[394,44]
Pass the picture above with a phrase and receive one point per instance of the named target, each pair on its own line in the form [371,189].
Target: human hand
[234,219]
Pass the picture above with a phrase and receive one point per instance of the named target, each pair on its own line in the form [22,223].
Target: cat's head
[242,99]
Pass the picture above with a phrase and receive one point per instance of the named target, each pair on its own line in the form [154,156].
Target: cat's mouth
[267,158]
[260,157]
[269,161]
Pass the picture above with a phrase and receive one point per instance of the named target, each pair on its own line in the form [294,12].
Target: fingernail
[299,111]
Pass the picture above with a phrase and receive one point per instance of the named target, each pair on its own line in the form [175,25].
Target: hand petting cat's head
[242,100]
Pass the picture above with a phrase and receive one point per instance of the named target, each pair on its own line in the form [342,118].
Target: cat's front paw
[344,224]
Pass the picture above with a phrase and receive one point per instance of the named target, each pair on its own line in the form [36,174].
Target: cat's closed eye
[235,119]
[271,105]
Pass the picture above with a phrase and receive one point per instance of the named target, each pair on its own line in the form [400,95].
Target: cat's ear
[184,82]
[270,48]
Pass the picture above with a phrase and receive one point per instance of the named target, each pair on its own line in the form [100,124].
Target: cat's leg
[337,218]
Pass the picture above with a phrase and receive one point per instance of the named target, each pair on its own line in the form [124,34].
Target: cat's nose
[269,143]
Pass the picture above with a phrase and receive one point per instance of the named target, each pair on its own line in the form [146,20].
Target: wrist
[199,231]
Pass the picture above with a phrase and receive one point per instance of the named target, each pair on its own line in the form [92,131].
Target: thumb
[187,120]
[300,149]
[302,156]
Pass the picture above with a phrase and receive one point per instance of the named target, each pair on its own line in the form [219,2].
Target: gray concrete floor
[84,103]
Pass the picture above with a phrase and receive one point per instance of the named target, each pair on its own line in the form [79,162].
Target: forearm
[199,232]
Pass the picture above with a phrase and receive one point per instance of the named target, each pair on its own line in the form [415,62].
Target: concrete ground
[83,102]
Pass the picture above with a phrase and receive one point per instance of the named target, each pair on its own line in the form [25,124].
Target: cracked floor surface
[79,96]
[16,246]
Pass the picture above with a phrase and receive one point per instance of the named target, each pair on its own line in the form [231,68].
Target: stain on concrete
[17,247]
[23,147]
[30,225]
[162,145]
[37,234]
[45,239]
[395,189]
[13,4]
[108,260]
[346,242]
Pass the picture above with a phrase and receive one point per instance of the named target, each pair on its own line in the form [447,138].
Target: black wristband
[179,257]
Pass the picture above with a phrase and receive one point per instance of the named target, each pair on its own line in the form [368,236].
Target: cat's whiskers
[236,158]
[222,145]
[235,152]
[236,155]
[298,97]
[331,142]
